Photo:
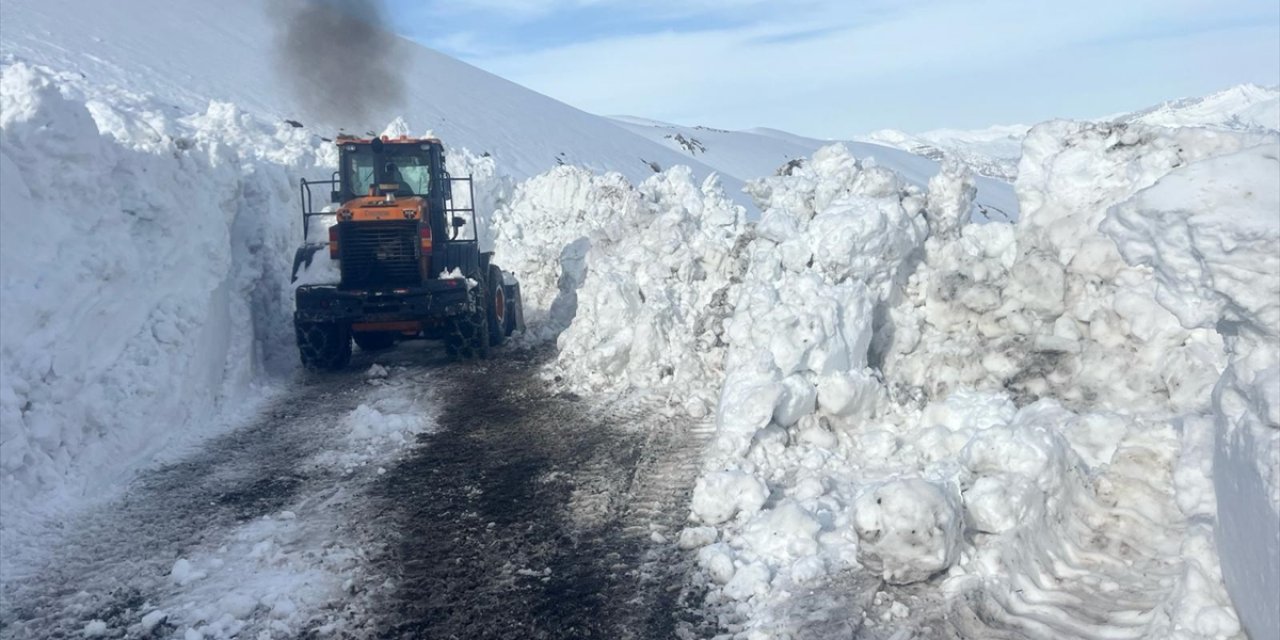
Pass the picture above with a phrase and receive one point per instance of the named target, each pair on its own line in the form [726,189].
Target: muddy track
[114,559]
[531,514]
[525,513]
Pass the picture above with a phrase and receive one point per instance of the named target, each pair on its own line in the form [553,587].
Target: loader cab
[403,168]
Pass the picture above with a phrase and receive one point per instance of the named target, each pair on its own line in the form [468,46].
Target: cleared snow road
[514,512]
[530,515]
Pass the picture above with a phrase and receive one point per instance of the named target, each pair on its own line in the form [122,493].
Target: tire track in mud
[533,514]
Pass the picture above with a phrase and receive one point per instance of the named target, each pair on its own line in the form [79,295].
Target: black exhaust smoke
[338,61]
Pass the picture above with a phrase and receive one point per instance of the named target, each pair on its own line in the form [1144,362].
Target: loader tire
[515,309]
[497,307]
[374,340]
[468,334]
[323,345]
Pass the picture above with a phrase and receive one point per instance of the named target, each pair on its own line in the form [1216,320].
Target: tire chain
[463,335]
[315,345]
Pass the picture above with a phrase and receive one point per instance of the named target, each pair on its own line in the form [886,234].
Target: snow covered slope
[188,53]
[1246,107]
[994,151]
[747,155]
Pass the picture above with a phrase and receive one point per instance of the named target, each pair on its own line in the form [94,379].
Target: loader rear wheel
[323,345]
[468,334]
[374,340]
[497,310]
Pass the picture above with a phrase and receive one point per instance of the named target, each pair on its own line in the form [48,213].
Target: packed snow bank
[146,259]
[544,232]
[650,308]
[642,273]
[1018,419]
[1210,231]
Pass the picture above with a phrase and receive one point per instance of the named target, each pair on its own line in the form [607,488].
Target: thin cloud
[843,68]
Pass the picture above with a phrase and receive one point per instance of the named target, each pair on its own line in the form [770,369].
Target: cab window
[360,173]
[412,172]
[408,167]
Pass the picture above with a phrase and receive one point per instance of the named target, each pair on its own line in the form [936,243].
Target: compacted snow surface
[925,426]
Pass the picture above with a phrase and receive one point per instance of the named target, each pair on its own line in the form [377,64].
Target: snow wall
[1065,427]
[145,260]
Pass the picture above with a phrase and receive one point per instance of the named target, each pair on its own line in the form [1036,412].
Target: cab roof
[349,139]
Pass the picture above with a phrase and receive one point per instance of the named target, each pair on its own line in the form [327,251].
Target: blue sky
[835,69]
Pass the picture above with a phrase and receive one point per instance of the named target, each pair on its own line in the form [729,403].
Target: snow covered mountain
[1246,107]
[995,151]
[189,53]
[762,152]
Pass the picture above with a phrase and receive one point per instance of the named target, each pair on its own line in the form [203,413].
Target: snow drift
[1055,425]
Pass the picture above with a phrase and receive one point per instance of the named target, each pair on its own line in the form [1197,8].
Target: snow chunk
[396,128]
[717,561]
[785,532]
[998,503]
[720,496]
[849,393]
[320,269]
[694,537]
[908,529]
[456,274]
[184,573]
[748,581]
[152,620]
